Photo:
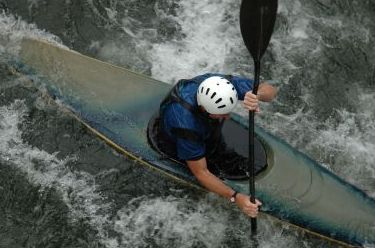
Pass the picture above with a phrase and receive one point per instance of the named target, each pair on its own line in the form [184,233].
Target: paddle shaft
[257,19]
[251,165]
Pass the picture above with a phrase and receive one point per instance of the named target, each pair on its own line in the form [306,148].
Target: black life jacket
[214,125]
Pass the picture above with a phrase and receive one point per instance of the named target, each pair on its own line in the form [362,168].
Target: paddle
[257,19]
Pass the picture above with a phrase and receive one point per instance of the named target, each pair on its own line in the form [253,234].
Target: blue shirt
[176,116]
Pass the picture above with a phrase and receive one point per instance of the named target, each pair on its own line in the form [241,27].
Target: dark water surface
[60,186]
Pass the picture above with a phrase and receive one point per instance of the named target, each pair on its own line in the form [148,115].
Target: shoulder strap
[228,77]
[174,96]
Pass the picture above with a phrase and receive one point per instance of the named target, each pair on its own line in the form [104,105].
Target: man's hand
[251,102]
[249,208]
[214,184]
[266,93]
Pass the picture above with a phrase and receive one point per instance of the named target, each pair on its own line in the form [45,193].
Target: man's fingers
[251,100]
[251,208]
[252,213]
[252,107]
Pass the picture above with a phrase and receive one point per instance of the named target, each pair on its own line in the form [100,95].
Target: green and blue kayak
[117,104]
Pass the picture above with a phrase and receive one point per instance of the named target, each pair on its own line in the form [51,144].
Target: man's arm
[214,184]
[266,92]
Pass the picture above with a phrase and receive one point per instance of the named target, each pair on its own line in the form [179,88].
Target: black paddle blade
[257,19]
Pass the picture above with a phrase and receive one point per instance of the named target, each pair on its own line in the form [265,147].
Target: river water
[60,186]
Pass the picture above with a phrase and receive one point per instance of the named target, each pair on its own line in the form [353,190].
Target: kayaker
[189,130]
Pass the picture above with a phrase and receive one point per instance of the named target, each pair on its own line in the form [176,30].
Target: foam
[209,37]
[170,221]
[13,30]
[77,189]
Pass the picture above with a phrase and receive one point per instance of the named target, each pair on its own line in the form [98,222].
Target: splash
[349,148]
[170,222]
[177,39]
[13,30]
[323,107]
[209,37]
[77,189]
[344,143]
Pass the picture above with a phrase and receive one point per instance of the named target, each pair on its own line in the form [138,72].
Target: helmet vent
[231,100]
[218,100]
[222,106]
[208,90]
[202,89]
[213,95]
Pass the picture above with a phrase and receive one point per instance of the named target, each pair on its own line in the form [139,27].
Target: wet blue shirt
[176,116]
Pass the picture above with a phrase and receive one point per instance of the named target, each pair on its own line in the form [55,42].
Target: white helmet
[217,95]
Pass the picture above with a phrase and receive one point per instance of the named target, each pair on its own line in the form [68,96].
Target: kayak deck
[117,104]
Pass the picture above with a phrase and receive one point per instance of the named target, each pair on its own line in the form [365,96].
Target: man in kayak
[189,130]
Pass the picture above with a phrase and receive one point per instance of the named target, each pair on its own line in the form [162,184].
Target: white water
[209,39]
[169,222]
[77,189]
[210,42]
[13,30]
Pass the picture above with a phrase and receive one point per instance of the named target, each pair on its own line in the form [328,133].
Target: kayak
[117,104]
